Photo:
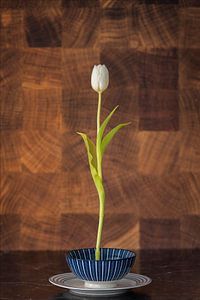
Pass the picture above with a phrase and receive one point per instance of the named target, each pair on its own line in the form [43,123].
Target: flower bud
[100,78]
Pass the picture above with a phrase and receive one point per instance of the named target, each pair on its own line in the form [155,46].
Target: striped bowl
[114,263]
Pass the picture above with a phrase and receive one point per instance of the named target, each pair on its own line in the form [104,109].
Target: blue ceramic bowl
[114,263]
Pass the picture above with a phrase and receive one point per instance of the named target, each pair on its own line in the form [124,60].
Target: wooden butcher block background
[152,168]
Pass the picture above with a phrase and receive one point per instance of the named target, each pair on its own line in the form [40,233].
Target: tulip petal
[100,78]
[94,78]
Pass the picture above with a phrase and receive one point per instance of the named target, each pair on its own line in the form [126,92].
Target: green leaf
[110,135]
[101,132]
[91,152]
[104,124]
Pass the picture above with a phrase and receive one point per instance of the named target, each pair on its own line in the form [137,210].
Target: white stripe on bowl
[107,254]
[125,268]
[78,267]
[79,254]
[90,270]
[102,270]
[74,252]
[84,270]
[108,271]
[96,271]
[113,253]
[121,266]
[89,250]
[116,264]
[84,254]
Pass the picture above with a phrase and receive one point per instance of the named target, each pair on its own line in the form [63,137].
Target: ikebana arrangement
[100,271]
[95,153]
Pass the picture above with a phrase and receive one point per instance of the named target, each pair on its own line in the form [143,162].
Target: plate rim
[149,280]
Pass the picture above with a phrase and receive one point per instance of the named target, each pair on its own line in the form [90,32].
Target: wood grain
[22,194]
[41,68]
[41,151]
[77,31]
[158,68]
[116,60]
[189,192]
[189,61]
[189,3]
[189,109]
[88,223]
[11,67]
[79,120]
[165,193]
[11,106]
[189,24]
[11,186]
[77,67]
[189,154]
[114,27]
[147,18]
[42,108]
[35,231]
[43,27]
[158,110]
[156,147]
[190,226]
[10,240]
[189,101]
[10,148]
[21,4]
[116,3]
[152,168]
[165,232]
[80,3]
[12,29]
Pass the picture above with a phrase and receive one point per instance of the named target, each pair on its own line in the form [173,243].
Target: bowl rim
[83,259]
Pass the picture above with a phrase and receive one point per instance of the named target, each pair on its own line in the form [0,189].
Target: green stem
[100,227]
[98,143]
[101,192]
[99,112]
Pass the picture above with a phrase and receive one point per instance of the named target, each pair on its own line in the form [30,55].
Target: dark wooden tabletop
[175,274]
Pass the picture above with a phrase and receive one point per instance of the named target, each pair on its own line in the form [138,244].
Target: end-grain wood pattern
[151,170]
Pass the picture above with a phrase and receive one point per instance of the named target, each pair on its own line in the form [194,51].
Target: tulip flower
[100,78]
[95,152]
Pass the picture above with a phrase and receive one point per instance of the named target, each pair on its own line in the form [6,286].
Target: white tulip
[100,78]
